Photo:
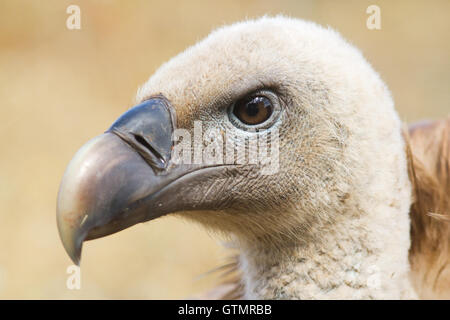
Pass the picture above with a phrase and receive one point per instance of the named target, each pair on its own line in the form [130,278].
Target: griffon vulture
[356,207]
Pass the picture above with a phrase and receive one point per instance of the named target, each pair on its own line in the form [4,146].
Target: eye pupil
[254,110]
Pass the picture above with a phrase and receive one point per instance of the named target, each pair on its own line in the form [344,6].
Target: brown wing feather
[428,150]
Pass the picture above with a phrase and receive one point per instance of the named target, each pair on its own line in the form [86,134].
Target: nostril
[142,141]
[148,146]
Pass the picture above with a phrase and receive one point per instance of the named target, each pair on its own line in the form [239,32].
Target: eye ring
[255,111]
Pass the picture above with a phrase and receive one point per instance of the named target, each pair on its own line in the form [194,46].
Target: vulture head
[276,132]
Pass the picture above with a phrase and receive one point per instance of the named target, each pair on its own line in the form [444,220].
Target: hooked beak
[121,177]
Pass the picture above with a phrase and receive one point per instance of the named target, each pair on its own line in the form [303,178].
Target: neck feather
[362,257]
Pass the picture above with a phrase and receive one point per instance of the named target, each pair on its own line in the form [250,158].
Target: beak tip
[75,255]
[73,249]
[76,261]
[101,182]
[72,242]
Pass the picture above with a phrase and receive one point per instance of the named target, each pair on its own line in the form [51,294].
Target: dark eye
[257,111]
[254,110]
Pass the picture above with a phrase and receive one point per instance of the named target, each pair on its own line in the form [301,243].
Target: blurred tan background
[59,88]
